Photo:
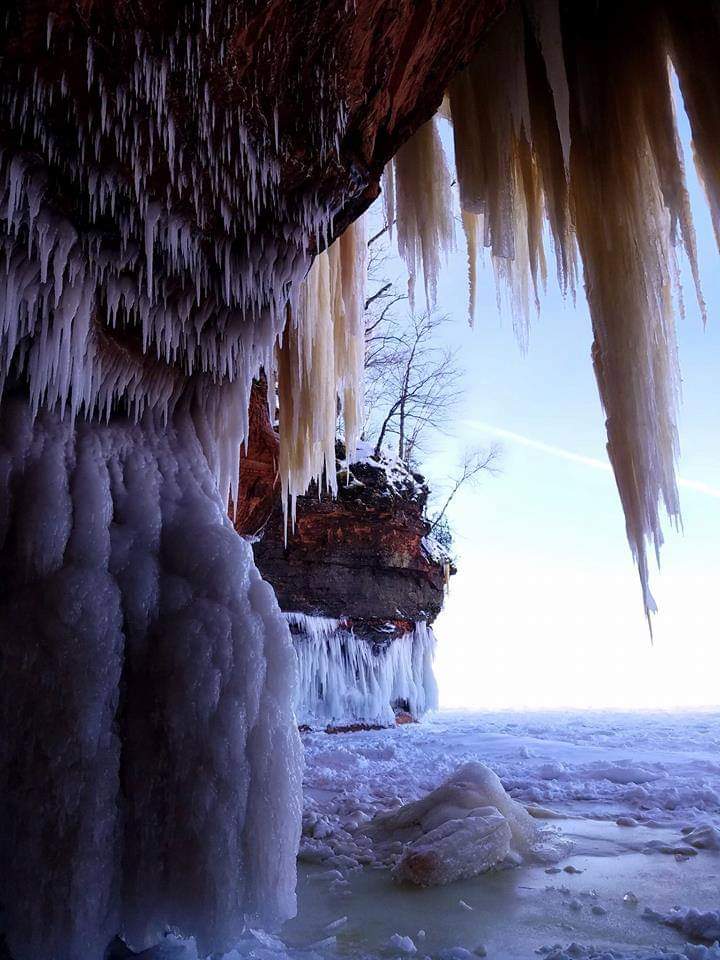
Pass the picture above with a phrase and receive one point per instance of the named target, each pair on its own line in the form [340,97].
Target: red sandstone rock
[259,479]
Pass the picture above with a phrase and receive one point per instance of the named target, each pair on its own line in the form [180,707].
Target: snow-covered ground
[637,794]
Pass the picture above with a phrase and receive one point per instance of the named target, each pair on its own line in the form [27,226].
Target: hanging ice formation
[322,359]
[185,291]
[564,122]
[347,679]
[149,759]
[419,197]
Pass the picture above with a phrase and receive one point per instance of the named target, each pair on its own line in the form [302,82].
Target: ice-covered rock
[705,837]
[466,826]
[456,850]
[698,924]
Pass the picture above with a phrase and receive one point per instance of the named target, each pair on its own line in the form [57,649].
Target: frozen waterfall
[347,679]
[150,761]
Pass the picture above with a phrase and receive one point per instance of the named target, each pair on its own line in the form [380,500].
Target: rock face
[362,556]
[259,481]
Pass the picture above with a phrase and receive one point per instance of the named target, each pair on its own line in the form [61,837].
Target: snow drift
[149,760]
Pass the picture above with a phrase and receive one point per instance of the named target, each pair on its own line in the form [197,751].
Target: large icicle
[150,761]
[347,679]
[567,114]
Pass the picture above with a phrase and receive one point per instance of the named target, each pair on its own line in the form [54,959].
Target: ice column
[150,763]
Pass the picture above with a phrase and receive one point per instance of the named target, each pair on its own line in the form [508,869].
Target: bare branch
[474,463]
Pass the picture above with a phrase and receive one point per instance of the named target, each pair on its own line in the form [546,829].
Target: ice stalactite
[145,236]
[149,758]
[322,358]
[422,208]
[347,679]
[565,120]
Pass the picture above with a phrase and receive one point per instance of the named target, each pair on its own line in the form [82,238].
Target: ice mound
[456,850]
[465,827]
[704,837]
[697,924]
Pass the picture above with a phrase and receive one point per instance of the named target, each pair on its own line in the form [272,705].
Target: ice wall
[149,760]
[346,679]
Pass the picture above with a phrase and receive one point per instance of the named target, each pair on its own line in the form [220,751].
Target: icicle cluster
[418,196]
[148,285]
[346,679]
[150,761]
[322,358]
[564,126]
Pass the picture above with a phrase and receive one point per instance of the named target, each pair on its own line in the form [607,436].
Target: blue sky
[546,609]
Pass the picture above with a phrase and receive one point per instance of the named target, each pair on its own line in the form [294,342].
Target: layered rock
[363,556]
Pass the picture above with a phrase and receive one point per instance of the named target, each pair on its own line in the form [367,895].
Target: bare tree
[412,381]
[475,463]
[421,384]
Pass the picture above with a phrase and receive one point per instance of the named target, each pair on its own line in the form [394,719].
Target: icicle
[388,191]
[472,225]
[322,357]
[349,255]
[423,198]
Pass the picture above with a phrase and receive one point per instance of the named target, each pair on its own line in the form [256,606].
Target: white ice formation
[344,679]
[150,294]
[150,760]
[465,827]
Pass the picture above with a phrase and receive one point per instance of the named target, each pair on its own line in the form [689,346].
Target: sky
[546,610]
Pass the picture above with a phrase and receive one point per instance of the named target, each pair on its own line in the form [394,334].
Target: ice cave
[182,190]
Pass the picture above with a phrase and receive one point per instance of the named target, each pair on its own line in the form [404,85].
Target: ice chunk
[466,826]
[705,837]
[403,944]
[456,850]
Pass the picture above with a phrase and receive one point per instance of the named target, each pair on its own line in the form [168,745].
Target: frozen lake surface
[633,793]
[634,797]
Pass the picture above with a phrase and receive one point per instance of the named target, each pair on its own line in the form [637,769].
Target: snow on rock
[464,827]
[703,837]
[346,679]
[401,943]
[152,677]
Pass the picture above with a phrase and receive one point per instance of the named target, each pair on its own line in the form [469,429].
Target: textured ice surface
[456,849]
[149,761]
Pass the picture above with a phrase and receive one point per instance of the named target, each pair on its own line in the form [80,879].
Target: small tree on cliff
[421,383]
